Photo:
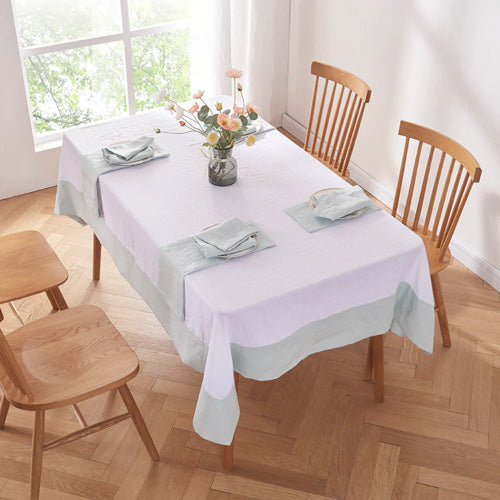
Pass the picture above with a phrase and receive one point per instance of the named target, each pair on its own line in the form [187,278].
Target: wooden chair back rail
[331,137]
[452,193]
[12,369]
[344,78]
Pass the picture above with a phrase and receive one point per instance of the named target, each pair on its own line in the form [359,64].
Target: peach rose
[238,109]
[198,94]
[194,108]
[223,120]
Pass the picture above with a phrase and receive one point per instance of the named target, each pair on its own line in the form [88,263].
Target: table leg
[378,366]
[369,361]
[96,271]
[227,462]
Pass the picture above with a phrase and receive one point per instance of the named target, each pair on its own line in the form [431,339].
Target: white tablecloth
[262,313]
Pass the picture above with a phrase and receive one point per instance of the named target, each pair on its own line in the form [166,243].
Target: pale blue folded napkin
[336,203]
[185,256]
[229,237]
[131,152]
[311,222]
[95,165]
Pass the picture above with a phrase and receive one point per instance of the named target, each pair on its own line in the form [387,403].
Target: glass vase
[222,167]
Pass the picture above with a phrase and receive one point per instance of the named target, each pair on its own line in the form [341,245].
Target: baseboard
[477,264]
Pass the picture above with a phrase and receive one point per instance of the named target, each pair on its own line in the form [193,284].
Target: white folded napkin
[226,238]
[336,203]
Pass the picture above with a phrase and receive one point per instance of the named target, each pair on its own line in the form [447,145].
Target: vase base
[225,182]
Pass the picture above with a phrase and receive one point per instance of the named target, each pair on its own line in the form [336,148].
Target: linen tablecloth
[258,315]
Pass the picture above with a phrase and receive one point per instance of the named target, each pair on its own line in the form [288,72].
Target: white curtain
[250,35]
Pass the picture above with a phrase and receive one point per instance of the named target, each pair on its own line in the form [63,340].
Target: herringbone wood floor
[314,433]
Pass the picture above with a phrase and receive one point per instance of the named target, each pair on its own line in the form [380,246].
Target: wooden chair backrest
[332,135]
[12,369]
[450,184]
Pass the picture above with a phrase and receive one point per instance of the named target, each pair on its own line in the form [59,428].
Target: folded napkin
[129,152]
[186,256]
[226,238]
[336,203]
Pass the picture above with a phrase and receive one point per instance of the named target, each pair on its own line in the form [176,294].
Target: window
[91,60]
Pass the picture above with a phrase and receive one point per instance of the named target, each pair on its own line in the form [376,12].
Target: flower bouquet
[222,128]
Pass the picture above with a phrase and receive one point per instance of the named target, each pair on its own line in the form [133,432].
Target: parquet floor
[315,433]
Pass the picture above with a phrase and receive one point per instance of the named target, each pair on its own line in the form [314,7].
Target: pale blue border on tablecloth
[403,313]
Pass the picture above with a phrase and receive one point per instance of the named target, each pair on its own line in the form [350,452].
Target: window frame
[126,35]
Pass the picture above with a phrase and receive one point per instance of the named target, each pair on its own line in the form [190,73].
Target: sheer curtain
[251,35]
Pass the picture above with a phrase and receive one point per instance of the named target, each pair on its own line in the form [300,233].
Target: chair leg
[131,405]
[369,361]
[79,415]
[441,310]
[58,297]
[378,367]
[96,270]
[36,455]
[4,409]
[52,300]
[16,312]
[227,462]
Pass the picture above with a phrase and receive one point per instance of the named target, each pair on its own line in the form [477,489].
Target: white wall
[21,169]
[433,62]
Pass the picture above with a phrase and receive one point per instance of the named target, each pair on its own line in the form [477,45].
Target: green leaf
[253,115]
[244,120]
[227,111]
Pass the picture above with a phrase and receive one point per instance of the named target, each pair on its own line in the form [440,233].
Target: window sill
[46,146]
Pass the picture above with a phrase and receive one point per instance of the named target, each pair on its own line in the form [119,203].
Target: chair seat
[69,357]
[435,265]
[33,269]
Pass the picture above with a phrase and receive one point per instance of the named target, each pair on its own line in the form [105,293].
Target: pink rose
[234,73]
[194,108]
[182,123]
[240,87]
[198,94]
[238,109]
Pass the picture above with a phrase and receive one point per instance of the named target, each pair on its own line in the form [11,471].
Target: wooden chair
[63,359]
[440,186]
[332,135]
[28,266]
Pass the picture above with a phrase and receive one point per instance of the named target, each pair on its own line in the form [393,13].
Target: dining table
[307,290]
